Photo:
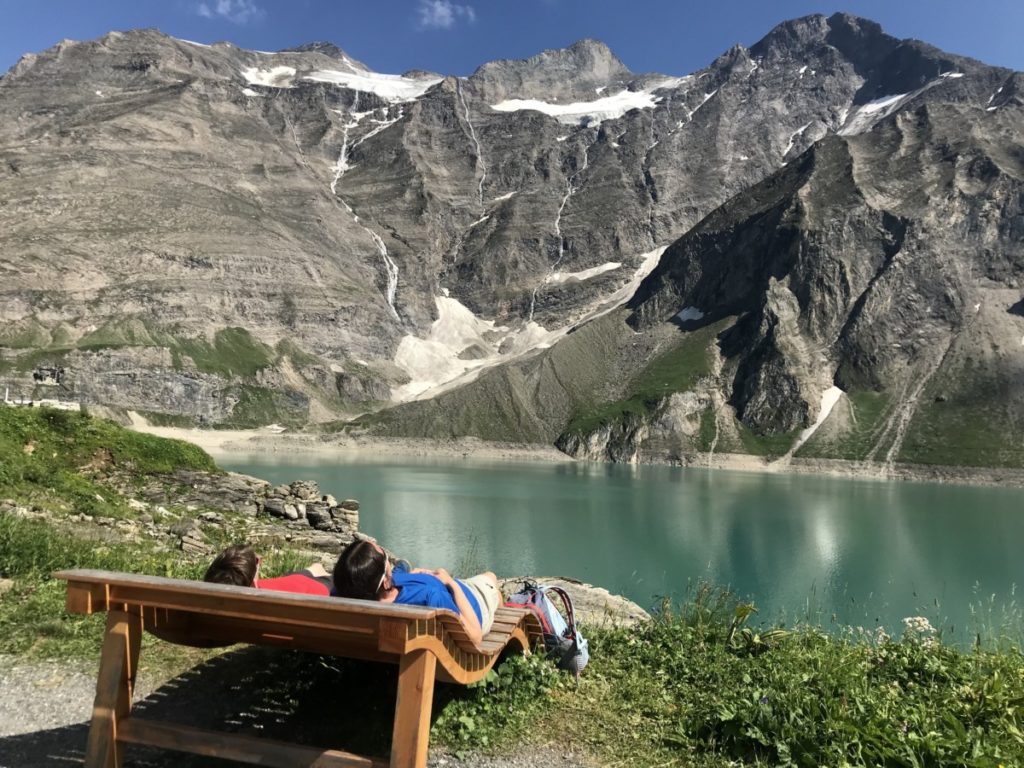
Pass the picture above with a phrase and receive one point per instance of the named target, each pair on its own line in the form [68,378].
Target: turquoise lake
[838,551]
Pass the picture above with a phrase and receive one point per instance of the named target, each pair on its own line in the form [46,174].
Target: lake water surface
[869,553]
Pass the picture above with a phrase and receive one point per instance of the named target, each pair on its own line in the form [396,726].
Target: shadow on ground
[290,696]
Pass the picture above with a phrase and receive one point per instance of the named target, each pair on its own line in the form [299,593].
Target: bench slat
[180,593]
[233,746]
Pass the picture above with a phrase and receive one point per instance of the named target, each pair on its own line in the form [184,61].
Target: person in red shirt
[240,565]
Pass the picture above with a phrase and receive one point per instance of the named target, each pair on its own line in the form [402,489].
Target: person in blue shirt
[363,571]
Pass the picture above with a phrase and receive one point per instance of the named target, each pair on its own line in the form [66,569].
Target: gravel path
[45,708]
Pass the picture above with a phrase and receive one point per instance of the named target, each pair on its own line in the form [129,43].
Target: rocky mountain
[208,233]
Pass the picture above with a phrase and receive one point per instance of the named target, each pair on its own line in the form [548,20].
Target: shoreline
[234,443]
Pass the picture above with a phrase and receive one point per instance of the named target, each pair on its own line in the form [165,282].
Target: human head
[235,565]
[359,571]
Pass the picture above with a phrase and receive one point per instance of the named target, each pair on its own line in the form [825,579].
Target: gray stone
[275,507]
[305,489]
[194,541]
[319,518]
[593,606]
[290,512]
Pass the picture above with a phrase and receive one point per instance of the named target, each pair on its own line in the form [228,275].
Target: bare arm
[467,615]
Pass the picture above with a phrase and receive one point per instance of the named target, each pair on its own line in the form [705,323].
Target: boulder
[274,507]
[593,606]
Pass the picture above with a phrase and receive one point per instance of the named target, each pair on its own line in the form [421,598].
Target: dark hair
[358,571]
[235,565]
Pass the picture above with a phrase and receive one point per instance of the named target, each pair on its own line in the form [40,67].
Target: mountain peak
[320,46]
[573,72]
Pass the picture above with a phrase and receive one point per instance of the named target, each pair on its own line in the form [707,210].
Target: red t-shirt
[294,582]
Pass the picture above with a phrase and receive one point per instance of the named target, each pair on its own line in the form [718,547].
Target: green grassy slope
[58,457]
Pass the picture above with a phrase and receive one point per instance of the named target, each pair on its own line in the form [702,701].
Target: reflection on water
[866,552]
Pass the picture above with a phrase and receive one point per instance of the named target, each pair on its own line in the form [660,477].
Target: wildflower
[918,628]
[764,699]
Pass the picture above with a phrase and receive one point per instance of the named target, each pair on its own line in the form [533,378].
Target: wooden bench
[426,643]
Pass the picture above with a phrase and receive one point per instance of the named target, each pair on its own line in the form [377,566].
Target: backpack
[562,639]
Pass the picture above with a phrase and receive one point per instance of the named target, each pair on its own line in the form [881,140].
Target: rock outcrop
[593,606]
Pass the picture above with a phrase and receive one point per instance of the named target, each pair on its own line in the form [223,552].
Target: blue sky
[455,36]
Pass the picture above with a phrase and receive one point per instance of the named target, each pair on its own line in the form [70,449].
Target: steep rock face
[872,265]
[345,238]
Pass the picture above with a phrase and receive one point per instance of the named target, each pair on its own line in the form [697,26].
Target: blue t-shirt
[427,590]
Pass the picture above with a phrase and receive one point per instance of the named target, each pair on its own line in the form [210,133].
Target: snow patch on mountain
[866,115]
[829,398]
[391,88]
[434,364]
[870,113]
[587,112]
[435,360]
[585,274]
[275,77]
[793,136]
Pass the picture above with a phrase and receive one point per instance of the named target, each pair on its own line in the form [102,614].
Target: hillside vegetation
[53,458]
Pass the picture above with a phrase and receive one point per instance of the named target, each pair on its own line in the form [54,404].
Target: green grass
[295,353]
[765,445]
[964,432]
[708,429]
[696,688]
[33,621]
[870,410]
[233,352]
[159,419]
[61,457]
[259,406]
[25,334]
[122,332]
[676,370]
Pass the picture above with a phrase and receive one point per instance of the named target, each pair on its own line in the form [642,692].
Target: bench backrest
[199,614]
[206,615]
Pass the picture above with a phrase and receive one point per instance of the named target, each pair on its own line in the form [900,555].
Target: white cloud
[235,11]
[443,14]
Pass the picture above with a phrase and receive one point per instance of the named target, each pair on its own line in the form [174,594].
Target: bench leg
[114,689]
[411,733]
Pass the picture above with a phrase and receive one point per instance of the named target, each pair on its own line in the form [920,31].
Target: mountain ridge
[356,238]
